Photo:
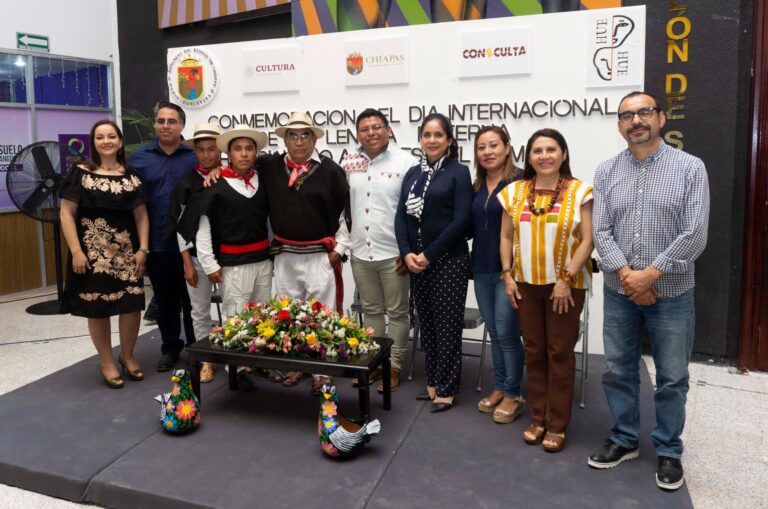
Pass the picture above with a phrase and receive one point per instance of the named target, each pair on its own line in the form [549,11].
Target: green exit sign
[32,42]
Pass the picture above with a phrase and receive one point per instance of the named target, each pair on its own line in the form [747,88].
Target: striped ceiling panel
[179,12]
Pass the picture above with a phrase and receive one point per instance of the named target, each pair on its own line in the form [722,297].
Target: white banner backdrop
[429,68]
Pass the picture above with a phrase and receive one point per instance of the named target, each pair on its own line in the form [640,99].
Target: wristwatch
[141,250]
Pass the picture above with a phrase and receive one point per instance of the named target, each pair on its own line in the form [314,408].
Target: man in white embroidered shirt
[375,174]
[649,225]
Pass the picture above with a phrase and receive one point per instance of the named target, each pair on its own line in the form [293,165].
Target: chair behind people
[472,320]
[584,339]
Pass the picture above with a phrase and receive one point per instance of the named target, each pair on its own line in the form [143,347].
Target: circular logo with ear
[193,77]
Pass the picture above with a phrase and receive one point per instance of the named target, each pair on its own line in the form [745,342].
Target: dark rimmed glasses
[644,114]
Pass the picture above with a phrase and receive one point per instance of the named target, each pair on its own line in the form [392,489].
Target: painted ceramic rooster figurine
[180,411]
[340,437]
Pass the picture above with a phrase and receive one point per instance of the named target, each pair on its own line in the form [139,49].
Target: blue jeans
[670,324]
[504,329]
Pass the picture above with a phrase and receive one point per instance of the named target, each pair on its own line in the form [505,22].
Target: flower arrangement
[294,327]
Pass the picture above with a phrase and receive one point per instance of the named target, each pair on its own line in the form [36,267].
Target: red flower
[317,306]
[283,315]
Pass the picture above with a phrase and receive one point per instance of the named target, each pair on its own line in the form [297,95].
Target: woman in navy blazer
[432,225]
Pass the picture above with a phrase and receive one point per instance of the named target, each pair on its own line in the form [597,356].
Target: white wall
[76,28]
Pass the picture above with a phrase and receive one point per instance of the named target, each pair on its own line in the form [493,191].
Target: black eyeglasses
[643,113]
[164,121]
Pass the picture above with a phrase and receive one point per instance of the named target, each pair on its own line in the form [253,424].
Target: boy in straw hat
[203,141]
[308,196]
[228,222]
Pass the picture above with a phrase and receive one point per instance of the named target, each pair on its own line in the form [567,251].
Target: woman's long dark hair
[565,168]
[509,171]
[445,123]
[94,159]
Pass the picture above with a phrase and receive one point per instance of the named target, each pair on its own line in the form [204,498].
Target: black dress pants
[166,272]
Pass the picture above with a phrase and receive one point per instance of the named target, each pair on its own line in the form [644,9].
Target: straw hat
[299,120]
[241,131]
[203,132]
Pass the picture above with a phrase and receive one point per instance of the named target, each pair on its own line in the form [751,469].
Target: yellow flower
[344,321]
[353,342]
[311,339]
[284,303]
[268,332]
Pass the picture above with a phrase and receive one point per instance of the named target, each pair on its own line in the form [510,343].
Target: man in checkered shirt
[650,219]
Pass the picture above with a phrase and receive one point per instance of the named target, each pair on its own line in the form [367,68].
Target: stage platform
[68,436]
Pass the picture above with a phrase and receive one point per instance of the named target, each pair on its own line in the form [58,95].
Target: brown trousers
[549,339]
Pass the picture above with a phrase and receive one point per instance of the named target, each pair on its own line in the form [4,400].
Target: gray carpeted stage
[69,436]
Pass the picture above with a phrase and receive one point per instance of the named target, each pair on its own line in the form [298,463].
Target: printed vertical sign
[494,52]
[273,69]
[376,61]
[73,149]
[615,54]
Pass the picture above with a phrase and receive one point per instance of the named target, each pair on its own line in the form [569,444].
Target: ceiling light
[20,62]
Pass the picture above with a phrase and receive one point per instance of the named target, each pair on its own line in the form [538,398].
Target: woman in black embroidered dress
[105,223]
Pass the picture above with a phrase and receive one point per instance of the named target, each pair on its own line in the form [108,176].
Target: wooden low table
[357,367]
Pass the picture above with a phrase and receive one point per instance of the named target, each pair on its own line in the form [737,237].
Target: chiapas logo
[192,78]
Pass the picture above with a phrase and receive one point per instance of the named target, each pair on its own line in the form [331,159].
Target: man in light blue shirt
[650,223]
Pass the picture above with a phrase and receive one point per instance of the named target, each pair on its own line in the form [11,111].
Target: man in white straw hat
[228,222]
[203,142]
[308,198]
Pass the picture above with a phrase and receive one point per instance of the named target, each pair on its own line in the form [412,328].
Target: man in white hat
[308,197]
[228,222]
[203,141]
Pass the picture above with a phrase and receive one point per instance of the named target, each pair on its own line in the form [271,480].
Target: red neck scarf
[296,169]
[202,170]
[230,173]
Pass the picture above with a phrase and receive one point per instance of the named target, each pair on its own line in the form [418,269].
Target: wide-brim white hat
[203,132]
[241,131]
[299,120]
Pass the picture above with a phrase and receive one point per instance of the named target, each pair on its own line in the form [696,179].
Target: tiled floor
[726,435]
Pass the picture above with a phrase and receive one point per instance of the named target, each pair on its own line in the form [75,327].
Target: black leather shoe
[669,475]
[424,396]
[244,382]
[440,407]
[167,361]
[612,455]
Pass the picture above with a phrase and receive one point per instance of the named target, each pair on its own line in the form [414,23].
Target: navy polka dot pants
[440,294]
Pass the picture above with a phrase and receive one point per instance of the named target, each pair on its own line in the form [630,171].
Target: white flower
[340,332]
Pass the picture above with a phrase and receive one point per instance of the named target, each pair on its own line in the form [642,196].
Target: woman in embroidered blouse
[104,220]
[431,225]
[545,247]
[495,169]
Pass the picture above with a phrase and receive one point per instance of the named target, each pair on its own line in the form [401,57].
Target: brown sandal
[533,434]
[554,442]
[293,378]
[207,372]
[501,416]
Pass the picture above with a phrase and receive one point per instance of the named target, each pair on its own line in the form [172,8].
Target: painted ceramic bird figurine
[340,437]
[180,410]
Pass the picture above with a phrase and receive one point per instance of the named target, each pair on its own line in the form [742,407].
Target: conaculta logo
[501,51]
[192,78]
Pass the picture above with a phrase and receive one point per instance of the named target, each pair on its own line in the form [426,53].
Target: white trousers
[200,298]
[251,282]
[305,276]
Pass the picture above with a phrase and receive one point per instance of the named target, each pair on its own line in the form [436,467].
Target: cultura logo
[501,51]
[354,63]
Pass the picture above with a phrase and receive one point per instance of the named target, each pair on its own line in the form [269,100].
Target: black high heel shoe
[424,396]
[136,375]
